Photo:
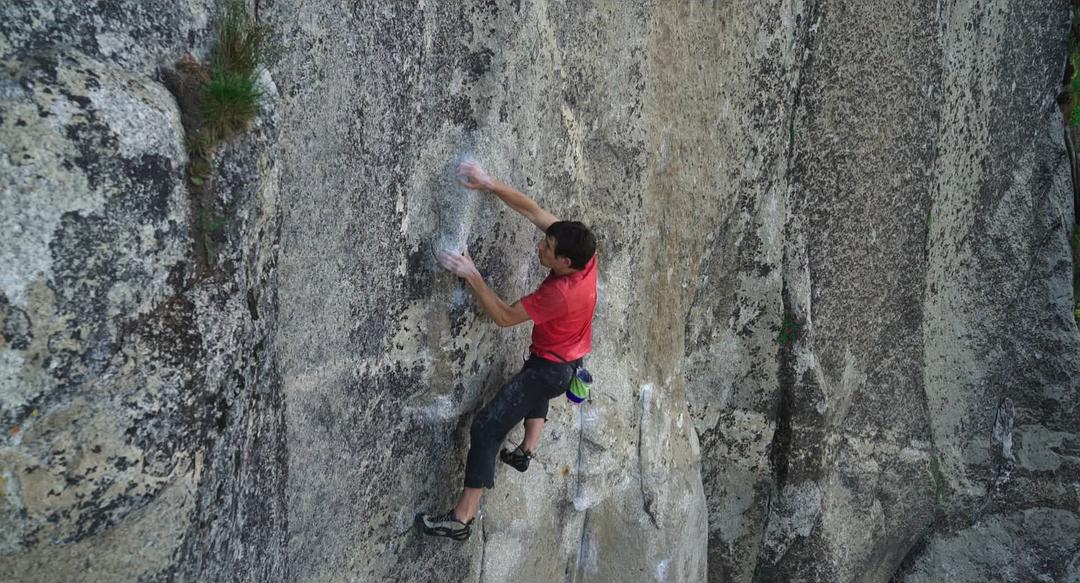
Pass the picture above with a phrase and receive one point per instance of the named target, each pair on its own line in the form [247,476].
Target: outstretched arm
[462,266]
[474,177]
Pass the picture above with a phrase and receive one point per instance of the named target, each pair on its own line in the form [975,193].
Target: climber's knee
[479,430]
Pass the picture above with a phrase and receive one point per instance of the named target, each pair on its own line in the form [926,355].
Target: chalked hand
[472,175]
[460,265]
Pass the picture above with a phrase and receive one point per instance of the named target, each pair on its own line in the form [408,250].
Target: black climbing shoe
[517,459]
[444,525]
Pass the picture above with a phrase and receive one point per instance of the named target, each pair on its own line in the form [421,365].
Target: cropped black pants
[525,396]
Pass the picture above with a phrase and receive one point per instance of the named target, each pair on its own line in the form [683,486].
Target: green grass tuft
[209,222]
[230,103]
[940,484]
[239,42]
[230,99]
[219,100]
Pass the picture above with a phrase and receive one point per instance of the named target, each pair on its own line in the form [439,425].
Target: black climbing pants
[524,397]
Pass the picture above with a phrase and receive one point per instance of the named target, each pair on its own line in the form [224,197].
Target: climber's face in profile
[546,251]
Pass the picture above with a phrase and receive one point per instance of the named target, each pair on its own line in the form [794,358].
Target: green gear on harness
[578,390]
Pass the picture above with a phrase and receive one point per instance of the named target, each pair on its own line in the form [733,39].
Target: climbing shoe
[517,459]
[444,525]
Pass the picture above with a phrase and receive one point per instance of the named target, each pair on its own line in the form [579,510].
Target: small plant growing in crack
[1072,72]
[230,98]
[789,330]
[210,223]
[218,100]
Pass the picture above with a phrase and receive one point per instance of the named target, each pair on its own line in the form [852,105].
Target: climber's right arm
[474,177]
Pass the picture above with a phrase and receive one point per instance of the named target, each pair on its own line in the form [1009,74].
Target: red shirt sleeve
[546,303]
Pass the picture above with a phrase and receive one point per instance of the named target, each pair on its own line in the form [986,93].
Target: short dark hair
[574,241]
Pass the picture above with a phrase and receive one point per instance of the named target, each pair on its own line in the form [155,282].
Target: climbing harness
[580,388]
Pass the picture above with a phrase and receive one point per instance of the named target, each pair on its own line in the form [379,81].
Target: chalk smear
[457,207]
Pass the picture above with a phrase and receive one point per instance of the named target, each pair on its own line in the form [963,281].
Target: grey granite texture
[136,35]
[889,183]
[141,412]
[98,350]
[388,357]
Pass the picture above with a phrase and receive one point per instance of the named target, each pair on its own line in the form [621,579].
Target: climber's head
[568,244]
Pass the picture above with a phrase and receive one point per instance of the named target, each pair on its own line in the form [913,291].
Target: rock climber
[561,311]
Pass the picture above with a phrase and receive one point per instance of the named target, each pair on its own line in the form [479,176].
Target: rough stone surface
[137,35]
[1001,367]
[921,201]
[99,349]
[556,100]
[834,339]
[141,414]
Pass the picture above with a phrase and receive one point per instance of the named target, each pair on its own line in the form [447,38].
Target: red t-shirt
[562,311]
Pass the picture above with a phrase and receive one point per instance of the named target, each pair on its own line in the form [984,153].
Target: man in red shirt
[561,310]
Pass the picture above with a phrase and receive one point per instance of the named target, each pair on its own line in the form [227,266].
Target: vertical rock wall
[141,413]
[833,343]
[741,71]
[98,348]
[854,485]
[1000,340]
[926,266]
[390,358]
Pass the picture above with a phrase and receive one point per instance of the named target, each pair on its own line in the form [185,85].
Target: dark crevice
[1070,148]
[910,558]
[646,498]
[1067,100]
[582,550]
[185,82]
[252,304]
[780,448]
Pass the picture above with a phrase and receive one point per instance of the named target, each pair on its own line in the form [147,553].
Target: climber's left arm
[462,266]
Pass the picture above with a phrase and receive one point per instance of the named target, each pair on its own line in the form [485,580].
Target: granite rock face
[389,358]
[834,338]
[926,269]
[138,37]
[99,347]
[141,416]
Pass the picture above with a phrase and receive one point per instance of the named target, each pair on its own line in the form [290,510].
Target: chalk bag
[578,390]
